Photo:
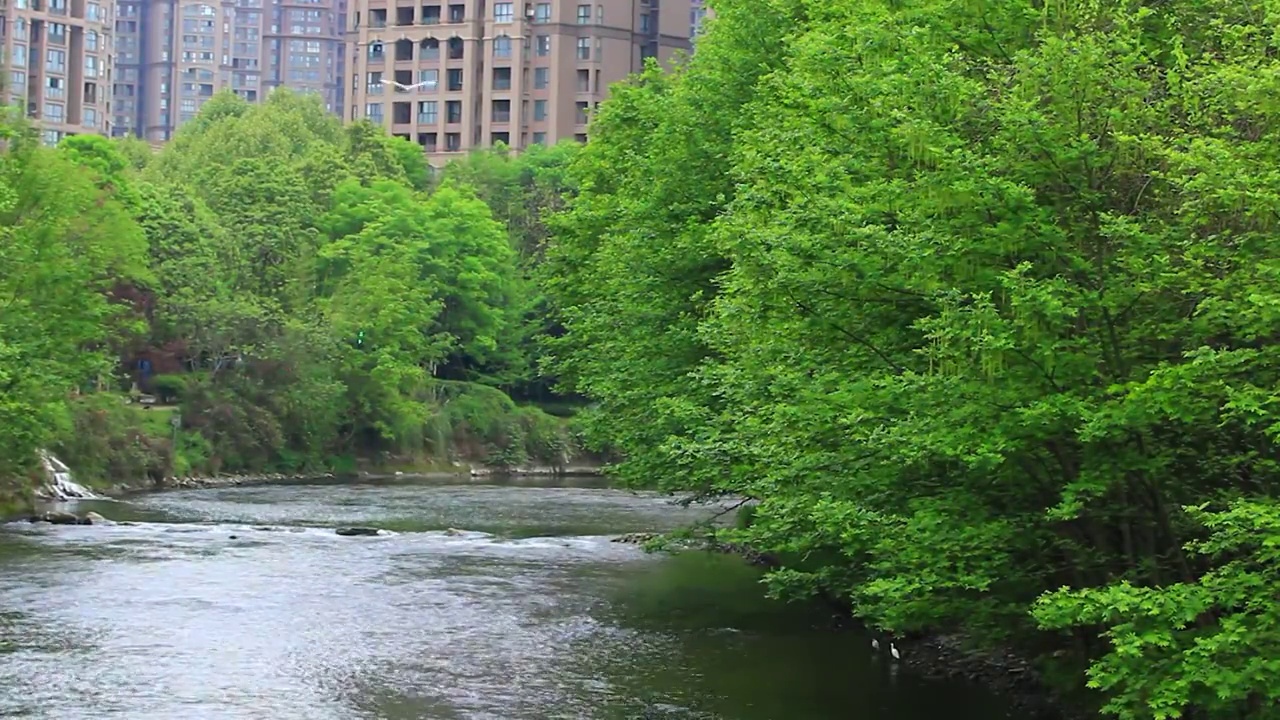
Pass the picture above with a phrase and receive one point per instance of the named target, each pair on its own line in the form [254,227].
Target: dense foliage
[295,293]
[975,299]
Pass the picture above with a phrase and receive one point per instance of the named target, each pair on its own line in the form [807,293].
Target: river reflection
[530,613]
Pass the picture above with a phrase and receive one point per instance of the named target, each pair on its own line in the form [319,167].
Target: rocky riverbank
[539,470]
[124,488]
[121,489]
[944,656]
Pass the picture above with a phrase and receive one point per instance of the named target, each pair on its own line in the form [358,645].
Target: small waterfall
[58,484]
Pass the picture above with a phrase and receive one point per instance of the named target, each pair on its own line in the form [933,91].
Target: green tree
[974,299]
[65,244]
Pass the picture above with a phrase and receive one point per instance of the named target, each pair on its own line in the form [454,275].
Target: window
[539,138]
[539,109]
[501,111]
[373,83]
[54,112]
[542,13]
[584,81]
[429,79]
[503,12]
[373,111]
[502,78]
[541,78]
[19,56]
[56,61]
[376,51]
[584,14]
[453,80]
[580,137]
[51,137]
[57,33]
[452,142]
[18,80]
[599,14]
[428,112]
[55,88]
[453,111]
[429,49]
[502,46]
[91,41]
[93,11]
[90,119]
[580,112]
[20,28]
[456,48]
[644,23]
[544,45]
[584,48]
[90,66]
[187,106]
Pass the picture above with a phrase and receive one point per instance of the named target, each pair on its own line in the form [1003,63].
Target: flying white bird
[405,88]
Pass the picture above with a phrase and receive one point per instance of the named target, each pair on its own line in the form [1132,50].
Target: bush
[109,440]
[483,423]
[169,388]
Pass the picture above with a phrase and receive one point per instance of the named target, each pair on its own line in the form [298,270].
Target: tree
[975,305]
[65,244]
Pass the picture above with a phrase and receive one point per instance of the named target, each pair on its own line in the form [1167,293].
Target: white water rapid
[58,484]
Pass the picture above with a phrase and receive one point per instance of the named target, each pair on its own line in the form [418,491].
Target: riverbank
[949,657]
[134,487]
[936,656]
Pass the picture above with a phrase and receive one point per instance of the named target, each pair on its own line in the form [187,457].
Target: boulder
[357,531]
[56,517]
[93,518]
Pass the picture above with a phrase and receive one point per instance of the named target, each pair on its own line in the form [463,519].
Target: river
[530,613]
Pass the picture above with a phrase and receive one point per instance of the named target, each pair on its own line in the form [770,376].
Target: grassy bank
[211,431]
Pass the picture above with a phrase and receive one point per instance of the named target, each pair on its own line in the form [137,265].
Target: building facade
[454,76]
[173,55]
[57,63]
[698,12]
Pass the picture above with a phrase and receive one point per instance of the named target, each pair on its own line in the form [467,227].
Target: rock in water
[56,517]
[357,531]
[93,518]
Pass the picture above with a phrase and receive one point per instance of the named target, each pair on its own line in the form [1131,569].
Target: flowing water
[243,603]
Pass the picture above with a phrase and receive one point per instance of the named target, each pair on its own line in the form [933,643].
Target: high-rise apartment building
[173,55]
[57,63]
[453,76]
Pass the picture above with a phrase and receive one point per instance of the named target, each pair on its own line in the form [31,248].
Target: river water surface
[243,603]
